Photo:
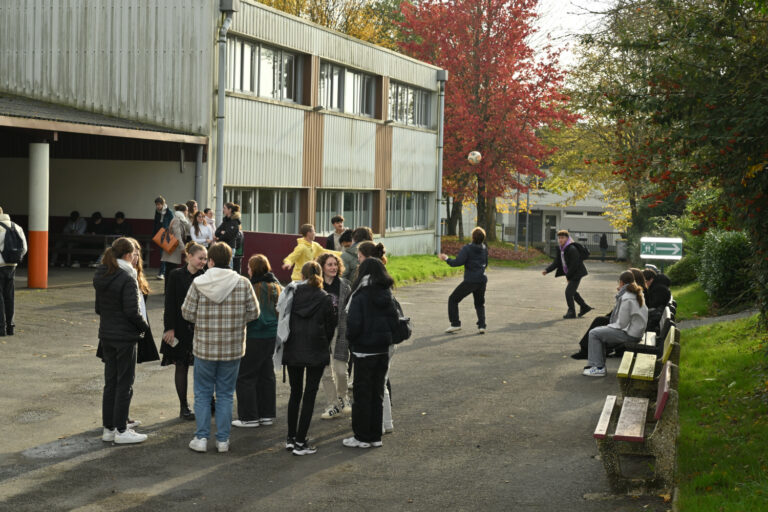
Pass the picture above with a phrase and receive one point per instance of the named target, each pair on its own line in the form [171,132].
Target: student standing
[474,257]
[256,386]
[201,231]
[163,217]
[332,242]
[335,374]
[627,325]
[8,270]
[179,227]
[178,334]
[350,254]
[229,229]
[371,320]
[122,322]
[312,323]
[220,303]
[306,250]
[568,262]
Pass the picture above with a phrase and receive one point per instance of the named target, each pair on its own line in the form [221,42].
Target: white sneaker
[376,444]
[108,435]
[129,437]
[352,442]
[76,264]
[160,276]
[132,423]
[481,330]
[453,328]
[594,371]
[332,412]
[199,444]
[222,446]
[245,423]
[266,422]
[346,406]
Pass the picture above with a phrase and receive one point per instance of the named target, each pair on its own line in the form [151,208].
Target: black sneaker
[580,355]
[289,444]
[583,310]
[570,314]
[303,449]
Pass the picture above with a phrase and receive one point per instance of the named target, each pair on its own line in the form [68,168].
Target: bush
[723,269]
[684,271]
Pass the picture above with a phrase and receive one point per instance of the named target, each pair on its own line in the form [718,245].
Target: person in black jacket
[229,229]
[656,298]
[568,263]
[474,257]
[312,323]
[177,332]
[163,218]
[122,322]
[371,320]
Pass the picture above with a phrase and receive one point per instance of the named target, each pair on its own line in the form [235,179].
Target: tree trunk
[455,218]
[486,211]
[450,228]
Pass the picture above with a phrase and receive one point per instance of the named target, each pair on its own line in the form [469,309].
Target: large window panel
[409,106]
[353,205]
[407,210]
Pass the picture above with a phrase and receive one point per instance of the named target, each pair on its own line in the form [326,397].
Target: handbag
[166,240]
[403,327]
[146,351]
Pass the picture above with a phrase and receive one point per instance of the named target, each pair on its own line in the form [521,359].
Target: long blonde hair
[140,277]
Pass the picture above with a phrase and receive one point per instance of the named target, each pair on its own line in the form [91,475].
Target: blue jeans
[218,376]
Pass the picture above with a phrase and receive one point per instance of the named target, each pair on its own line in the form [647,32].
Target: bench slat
[668,344]
[631,424]
[649,339]
[645,365]
[605,417]
[665,379]
[626,364]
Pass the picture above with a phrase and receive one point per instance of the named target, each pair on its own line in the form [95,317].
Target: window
[269,72]
[407,210]
[266,210]
[353,205]
[347,90]
[410,106]
[574,213]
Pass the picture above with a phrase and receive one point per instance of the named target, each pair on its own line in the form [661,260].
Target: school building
[106,104]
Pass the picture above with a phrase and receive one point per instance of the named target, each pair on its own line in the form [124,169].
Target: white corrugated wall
[349,153]
[414,159]
[144,60]
[264,144]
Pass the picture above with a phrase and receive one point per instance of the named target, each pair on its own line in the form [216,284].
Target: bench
[635,427]
[639,370]
[93,246]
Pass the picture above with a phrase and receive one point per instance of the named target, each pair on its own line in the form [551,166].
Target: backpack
[13,246]
[583,251]
[404,327]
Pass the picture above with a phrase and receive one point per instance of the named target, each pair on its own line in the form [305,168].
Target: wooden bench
[92,246]
[636,427]
[639,372]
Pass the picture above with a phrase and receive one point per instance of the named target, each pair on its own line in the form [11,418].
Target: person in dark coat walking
[313,320]
[177,332]
[371,320]
[474,257]
[568,263]
[122,323]
[229,229]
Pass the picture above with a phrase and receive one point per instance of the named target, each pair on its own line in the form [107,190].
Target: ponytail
[312,272]
[372,250]
[119,248]
[628,279]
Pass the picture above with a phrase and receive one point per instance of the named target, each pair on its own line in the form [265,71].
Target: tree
[498,96]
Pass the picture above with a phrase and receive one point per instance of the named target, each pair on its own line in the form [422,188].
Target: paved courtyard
[495,422]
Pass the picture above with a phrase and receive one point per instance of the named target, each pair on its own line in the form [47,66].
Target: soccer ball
[474,157]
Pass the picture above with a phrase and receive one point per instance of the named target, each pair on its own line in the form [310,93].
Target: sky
[563,19]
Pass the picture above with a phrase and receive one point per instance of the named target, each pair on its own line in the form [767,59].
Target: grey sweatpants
[601,338]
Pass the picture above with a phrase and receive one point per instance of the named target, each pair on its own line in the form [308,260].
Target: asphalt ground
[501,421]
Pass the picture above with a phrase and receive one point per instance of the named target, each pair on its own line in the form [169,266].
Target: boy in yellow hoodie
[306,250]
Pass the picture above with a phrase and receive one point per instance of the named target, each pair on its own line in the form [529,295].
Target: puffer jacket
[371,320]
[313,321]
[228,230]
[117,304]
[474,257]
[349,258]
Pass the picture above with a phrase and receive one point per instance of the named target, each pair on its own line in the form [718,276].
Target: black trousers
[298,425]
[368,393]
[119,371]
[572,295]
[256,385]
[7,293]
[478,293]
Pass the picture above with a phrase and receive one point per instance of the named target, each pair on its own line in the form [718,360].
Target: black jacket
[117,304]
[228,230]
[658,295]
[313,320]
[371,320]
[176,288]
[474,257]
[576,268]
[162,221]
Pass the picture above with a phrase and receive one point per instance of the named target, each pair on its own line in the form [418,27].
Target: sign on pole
[653,248]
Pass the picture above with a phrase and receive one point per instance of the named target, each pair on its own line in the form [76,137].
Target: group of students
[96,225]
[231,328]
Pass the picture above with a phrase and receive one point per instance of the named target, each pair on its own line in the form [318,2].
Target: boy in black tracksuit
[568,263]
[474,257]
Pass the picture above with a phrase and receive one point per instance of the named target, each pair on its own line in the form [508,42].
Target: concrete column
[38,215]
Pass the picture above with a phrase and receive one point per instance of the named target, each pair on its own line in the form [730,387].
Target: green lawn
[418,268]
[722,456]
[692,302]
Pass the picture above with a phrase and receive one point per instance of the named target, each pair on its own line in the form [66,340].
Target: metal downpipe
[222,85]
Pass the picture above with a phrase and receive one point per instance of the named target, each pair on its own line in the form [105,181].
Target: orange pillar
[38,215]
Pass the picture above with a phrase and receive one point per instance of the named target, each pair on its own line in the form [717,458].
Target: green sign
[653,248]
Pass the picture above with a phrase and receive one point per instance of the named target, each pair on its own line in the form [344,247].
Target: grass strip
[692,301]
[722,458]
